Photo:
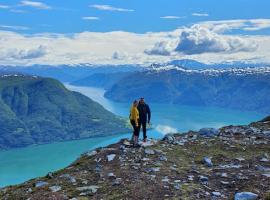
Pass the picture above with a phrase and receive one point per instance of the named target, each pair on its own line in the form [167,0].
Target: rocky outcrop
[233,164]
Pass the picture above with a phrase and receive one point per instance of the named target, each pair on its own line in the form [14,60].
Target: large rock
[169,138]
[245,196]
[208,132]
[41,184]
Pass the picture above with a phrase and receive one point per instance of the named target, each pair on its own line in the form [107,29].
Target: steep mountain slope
[210,164]
[36,110]
[244,89]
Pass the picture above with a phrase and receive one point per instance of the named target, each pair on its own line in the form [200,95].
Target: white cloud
[243,24]
[210,42]
[19,54]
[17,28]
[17,11]
[200,14]
[172,17]
[4,6]
[163,48]
[210,37]
[90,18]
[35,4]
[198,39]
[111,8]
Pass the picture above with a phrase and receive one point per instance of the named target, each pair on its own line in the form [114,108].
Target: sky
[54,32]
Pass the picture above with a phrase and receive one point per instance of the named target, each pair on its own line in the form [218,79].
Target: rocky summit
[232,162]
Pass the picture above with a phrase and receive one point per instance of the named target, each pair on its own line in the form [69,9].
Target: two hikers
[140,116]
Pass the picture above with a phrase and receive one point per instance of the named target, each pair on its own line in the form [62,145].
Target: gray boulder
[245,196]
[169,138]
[208,132]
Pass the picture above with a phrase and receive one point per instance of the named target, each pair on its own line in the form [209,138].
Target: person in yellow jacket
[134,120]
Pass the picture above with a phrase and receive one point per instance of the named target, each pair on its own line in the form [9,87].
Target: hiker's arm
[148,114]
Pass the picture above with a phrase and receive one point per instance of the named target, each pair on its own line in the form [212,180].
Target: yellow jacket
[134,114]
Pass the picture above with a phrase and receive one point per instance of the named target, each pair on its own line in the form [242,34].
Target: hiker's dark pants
[136,130]
[143,125]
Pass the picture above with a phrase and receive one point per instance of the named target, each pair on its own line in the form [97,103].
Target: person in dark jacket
[144,117]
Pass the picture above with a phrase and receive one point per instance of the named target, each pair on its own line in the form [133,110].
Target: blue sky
[65,16]
[73,32]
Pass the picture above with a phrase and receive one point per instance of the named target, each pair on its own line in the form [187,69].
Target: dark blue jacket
[144,112]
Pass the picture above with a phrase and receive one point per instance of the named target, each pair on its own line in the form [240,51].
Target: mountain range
[243,89]
[35,110]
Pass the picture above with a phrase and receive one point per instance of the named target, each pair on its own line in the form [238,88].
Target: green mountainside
[36,110]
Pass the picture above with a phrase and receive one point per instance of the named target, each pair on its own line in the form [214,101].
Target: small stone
[266,175]
[55,188]
[224,182]
[149,151]
[145,159]
[122,147]
[91,153]
[217,194]
[126,143]
[117,181]
[69,177]
[41,184]
[163,158]
[110,157]
[111,175]
[224,175]
[153,169]
[29,190]
[165,179]
[177,186]
[203,179]
[173,168]
[245,196]
[230,166]
[98,168]
[240,159]
[264,160]
[91,189]
[207,161]
[49,175]
[191,178]
[262,168]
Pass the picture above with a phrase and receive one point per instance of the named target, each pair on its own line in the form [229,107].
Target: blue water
[19,165]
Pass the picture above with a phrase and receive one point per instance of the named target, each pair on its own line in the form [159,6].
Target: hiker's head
[142,100]
[135,103]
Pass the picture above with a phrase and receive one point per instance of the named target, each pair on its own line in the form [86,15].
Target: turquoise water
[19,165]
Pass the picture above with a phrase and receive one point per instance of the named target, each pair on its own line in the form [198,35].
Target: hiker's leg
[139,128]
[134,130]
[144,130]
[136,135]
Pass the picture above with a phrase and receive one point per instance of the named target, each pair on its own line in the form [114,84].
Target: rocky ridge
[229,163]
